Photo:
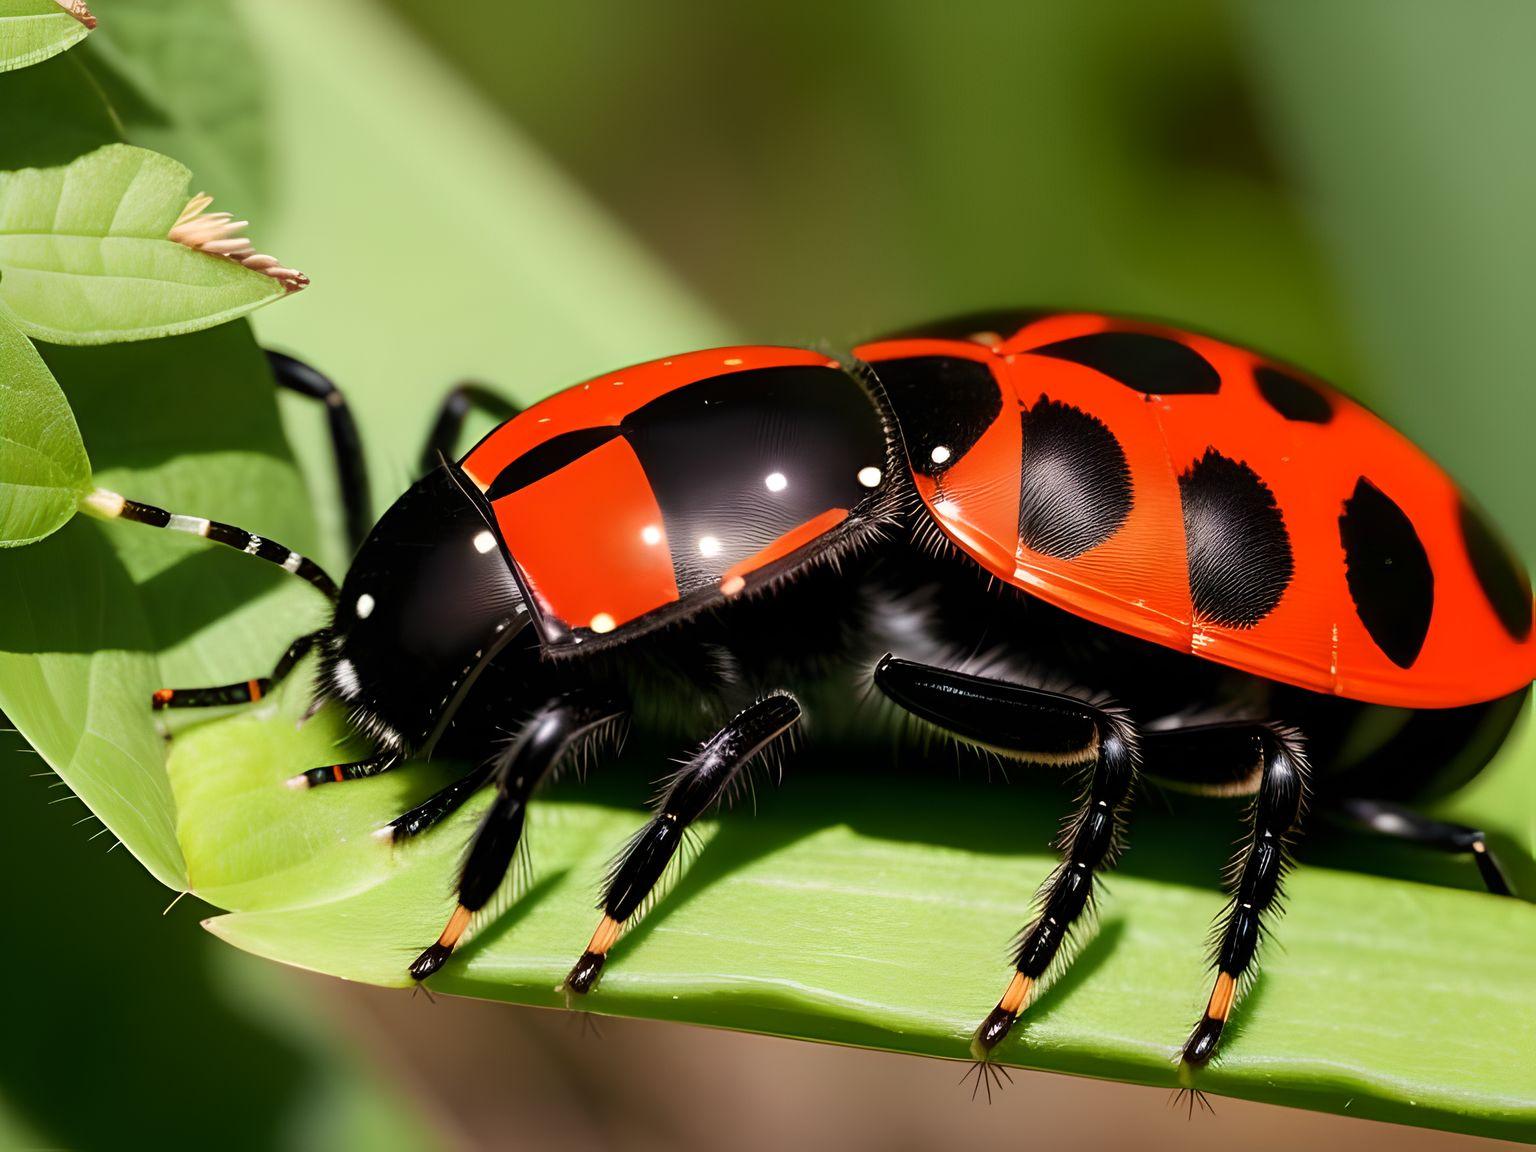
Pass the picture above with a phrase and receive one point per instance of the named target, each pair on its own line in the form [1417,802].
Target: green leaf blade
[183,79]
[831,914]
[32,31]
[101,614]
[43,466]
[85,256]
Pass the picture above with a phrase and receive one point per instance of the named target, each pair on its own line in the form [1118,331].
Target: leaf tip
[218,234]
[79,10]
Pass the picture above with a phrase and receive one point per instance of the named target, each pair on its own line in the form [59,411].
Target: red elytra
[1138,581]
[588,575]
[589,539]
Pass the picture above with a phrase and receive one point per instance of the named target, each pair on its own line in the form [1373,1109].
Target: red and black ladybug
[1065,539]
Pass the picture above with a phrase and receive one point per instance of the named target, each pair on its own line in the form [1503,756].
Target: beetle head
[428,602]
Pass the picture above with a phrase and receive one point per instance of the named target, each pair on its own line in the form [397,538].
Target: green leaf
[880,916]
[182,78]
[55,114]
[100,614]
[261,1040]
[43,466]
[85,256]
[31,31]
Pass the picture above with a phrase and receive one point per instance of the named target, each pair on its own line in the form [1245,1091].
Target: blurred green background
[1346,186]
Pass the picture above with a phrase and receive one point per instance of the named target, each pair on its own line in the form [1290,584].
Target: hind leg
[346,444]
[1393,820]
[1235,758]
[462,398]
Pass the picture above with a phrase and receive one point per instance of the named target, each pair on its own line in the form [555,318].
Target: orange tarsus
[1220,1006]
[604,936]
[1016,994]
[453,931]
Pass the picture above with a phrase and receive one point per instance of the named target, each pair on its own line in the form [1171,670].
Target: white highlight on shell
[709,546]
[870,477]
[364,608]
[776,481]
[602,622]
[650,534]
[939,455]
[484,542]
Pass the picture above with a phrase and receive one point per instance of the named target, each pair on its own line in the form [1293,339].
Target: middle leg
[1038,727]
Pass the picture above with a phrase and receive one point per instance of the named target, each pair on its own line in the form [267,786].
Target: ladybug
[1064,539]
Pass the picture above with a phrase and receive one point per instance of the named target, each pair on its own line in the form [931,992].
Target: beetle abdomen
[1193,493]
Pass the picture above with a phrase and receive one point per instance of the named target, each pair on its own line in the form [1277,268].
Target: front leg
[1038,727]
[538,747]
[696,788]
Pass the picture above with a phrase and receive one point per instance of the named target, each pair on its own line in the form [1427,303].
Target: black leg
[437,807]
[111,506]
[695,788]
[1386,819]
[1269,761]
[1042,728]
[451,414]
[381,761]
[517,771]
[246,691]
[346,444]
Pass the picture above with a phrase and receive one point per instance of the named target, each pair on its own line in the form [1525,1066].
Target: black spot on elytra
[1292,398]
[549,457]
[1503,578]
[1388,572]
[941,403]
[1151,365]
[1074,483]
[1240,561]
